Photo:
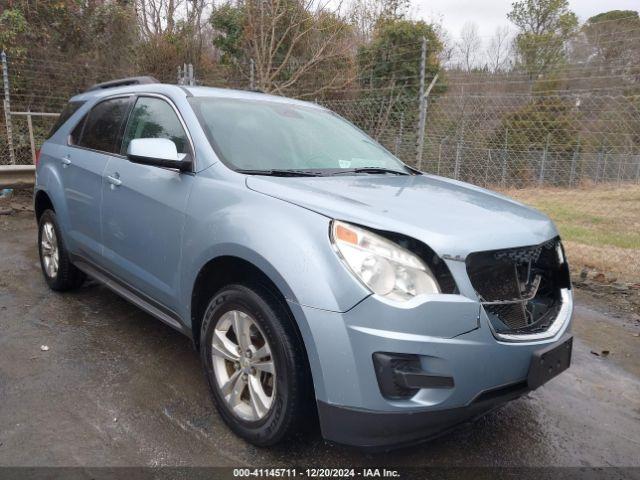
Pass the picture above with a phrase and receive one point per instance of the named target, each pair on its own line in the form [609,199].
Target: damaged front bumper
[462,369]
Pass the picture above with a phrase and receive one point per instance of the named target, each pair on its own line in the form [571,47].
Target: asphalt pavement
[118,388]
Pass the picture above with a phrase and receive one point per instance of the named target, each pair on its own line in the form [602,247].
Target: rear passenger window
[103,124]
[154,118]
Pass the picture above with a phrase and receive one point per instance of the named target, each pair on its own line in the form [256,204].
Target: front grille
[520,287]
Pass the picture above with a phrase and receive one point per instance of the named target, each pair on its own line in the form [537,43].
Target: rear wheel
[59,273]
[255,365]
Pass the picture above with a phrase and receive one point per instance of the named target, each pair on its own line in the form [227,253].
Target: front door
[143,207]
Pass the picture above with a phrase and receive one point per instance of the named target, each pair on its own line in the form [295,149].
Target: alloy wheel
[49,248]
[243,366]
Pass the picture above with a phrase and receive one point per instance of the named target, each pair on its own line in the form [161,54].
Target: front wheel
[255,364]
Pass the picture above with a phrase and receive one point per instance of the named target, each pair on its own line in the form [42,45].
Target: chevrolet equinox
[317,275]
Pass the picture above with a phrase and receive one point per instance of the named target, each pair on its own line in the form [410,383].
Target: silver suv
[315,272]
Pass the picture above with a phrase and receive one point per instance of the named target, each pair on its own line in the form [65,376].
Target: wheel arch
[42,202]
[225,270]
[228,269]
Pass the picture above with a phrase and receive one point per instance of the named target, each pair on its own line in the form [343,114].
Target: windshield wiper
[372,170]
[280,173]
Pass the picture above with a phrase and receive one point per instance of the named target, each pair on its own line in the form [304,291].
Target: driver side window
[154,118]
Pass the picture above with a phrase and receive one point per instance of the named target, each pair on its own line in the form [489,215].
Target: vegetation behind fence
[559,110]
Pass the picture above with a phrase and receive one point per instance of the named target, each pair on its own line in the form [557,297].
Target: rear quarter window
[69,109]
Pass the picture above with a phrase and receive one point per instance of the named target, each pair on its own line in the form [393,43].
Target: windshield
[260,136]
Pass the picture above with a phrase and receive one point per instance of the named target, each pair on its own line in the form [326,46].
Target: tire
[271,406]
[59,273]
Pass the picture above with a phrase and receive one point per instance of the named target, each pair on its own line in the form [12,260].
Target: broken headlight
[382,265]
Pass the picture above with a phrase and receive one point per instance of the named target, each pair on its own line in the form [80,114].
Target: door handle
[66,161]
[114,180]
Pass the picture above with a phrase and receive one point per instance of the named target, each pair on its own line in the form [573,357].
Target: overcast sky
[489,14]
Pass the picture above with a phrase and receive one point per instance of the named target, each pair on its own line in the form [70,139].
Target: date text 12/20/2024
[315,473]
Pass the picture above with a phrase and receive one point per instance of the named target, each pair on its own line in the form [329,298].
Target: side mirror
[158,152]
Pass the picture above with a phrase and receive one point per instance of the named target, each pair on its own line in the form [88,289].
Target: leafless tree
[289,41]
[363,15]
[448,52]
[171,28]
[159,17]
[498,51]
[469,46]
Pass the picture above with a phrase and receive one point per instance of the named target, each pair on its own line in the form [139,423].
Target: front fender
[288,243]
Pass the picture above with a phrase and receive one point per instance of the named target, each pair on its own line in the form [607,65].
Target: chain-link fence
[573,154]
[28,131]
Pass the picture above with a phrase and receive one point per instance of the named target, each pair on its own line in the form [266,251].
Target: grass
[600,226]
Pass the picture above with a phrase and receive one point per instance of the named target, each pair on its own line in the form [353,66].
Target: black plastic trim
[123,82]
[550,361]
[382,431]
[421,379]
[494,393]
[401,376]
[131,294]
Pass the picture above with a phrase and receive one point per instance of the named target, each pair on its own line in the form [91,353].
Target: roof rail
[122,82]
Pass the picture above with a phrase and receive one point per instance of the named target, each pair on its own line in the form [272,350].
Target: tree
[12,26]
[228,24]
[68,29]
[544,28]
[392,59]
[364,15]
[545,125]
[172,32]
[57,48]
[389,72]
[291,43]
[469,47]
[498,51]
[612,38]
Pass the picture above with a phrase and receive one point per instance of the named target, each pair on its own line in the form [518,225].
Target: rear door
[93,141]
[143,210]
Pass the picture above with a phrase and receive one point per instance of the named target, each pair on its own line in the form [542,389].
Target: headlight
[383,266]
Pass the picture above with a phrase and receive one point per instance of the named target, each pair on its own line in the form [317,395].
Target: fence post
[460,142]
[399,135]
[572,173]
[619,169]
[192,77]
[440,153]
[503,180]
[600,155]
[456,167]
[179,75]
[32,140]
[252,74]
[544,159]
[7,109]
[421,103]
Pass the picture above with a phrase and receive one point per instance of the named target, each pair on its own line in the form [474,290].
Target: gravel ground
[118,388]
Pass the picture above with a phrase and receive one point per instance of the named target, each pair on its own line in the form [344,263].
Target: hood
[452,217]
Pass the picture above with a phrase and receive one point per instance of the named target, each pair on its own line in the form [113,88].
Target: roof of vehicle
[171,90]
